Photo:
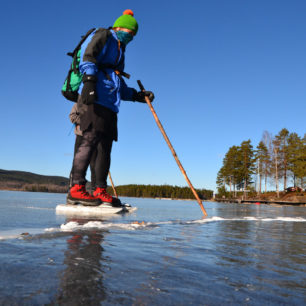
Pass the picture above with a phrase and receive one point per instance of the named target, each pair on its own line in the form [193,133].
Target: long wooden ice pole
[114,189]
[172,149]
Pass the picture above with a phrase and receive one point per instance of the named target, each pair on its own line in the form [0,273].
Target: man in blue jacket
[102,89]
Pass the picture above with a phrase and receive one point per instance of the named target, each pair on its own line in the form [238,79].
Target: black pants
[92,164]
[92,143]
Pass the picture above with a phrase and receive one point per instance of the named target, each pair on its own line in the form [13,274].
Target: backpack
[74,77]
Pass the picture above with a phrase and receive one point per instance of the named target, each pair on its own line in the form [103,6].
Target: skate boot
[106,198]
[79,195]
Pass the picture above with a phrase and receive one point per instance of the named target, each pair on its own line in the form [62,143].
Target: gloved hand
[88,94]
[140,96]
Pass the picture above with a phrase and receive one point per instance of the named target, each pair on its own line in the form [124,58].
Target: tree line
[275,159]
[17,186]
[160,191]
[145,191]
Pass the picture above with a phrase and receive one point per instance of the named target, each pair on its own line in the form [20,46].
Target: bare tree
[267,140]
[262,158]
[276,149]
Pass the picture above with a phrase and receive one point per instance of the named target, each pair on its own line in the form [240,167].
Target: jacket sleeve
[91,49]
[126,93]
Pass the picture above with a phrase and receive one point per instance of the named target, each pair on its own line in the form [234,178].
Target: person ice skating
[102,89]
[96,155]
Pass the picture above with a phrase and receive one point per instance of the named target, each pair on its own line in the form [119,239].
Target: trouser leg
[103,161]
[82,157]
[93,170]
[77,143]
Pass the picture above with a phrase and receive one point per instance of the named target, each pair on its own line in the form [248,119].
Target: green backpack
[74,77]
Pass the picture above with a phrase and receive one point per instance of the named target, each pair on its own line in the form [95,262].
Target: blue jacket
[98,50]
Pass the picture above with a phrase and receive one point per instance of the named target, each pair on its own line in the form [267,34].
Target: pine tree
[233,165]
[262,158]
[221,178]
[282,139]
[297,158]
[247,163]
[276,161]
[229,174]
[267,140]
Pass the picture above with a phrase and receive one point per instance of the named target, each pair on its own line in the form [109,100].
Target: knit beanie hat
[127,21]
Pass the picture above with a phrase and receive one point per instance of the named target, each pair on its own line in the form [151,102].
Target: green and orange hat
[127,21]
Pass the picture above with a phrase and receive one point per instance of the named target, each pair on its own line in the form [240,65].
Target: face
[125,30]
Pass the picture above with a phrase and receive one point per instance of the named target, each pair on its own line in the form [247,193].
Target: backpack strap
[114,67]
[96,44]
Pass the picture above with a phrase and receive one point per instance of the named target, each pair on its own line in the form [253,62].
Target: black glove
[140,96]
[89,95]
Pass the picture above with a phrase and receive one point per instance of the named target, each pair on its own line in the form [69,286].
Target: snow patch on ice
[131,226]
[39,208]
[73,225]
[277,219]
[285,219]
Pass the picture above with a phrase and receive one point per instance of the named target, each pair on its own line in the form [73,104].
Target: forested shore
[161,191]
[27,181]
[138,191]
[278,161]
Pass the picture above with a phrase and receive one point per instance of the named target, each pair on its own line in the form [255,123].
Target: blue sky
[222,72]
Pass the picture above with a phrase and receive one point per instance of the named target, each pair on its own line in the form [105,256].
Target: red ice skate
[79,195]
[106,198]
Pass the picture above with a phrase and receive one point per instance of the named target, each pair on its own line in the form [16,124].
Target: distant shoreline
[302,201]
[260,201]
[27,181]
[25,190]
[156,198]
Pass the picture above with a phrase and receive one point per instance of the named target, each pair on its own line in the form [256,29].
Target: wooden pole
[110,178]
[172,150]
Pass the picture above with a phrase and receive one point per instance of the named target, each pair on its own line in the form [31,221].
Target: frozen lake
[239,254]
